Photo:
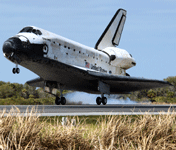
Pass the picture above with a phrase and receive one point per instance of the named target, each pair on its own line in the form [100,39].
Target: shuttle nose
[7,47]
[12,45]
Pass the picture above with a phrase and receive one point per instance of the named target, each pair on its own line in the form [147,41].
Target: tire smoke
[87,98]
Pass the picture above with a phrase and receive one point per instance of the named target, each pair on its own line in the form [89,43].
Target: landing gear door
[50,90]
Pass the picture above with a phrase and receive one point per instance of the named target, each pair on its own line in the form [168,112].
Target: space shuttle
[64,64]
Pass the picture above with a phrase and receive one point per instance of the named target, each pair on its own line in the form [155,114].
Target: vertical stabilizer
[111,35]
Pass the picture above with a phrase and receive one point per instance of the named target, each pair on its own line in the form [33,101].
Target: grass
[140,132]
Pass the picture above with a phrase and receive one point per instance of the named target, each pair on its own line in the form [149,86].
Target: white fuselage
[76,54]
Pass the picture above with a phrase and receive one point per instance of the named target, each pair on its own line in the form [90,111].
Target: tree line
[165,94]
[19,94]
[17,90]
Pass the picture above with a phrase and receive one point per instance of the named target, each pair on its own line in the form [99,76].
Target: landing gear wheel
[104,100]
[57,101]
[17,70]
[14,70]
[63,100]
[98,100]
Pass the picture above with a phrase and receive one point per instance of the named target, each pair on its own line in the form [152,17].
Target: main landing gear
[60,100]
[102,100]
[104,88]
[16,69]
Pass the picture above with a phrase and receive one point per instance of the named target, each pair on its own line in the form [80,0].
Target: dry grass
[144,132]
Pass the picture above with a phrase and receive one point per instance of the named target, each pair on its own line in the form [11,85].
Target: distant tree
[6,90]
[24,93]
[17,88]
[151,93]
[31,96]
[171,80]
[1,83]
[30,90]
[142,94]
[170,94]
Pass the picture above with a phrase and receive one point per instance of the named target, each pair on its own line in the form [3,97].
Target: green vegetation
[158,95]
[19,94]
[91,133]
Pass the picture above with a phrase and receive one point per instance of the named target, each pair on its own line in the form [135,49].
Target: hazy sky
[149,33]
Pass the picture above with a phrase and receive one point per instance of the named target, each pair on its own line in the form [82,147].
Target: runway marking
[91,114]
[105,114]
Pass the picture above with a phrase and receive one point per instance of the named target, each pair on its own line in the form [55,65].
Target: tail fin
[111,35]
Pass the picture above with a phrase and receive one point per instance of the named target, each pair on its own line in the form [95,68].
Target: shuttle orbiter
[67,65]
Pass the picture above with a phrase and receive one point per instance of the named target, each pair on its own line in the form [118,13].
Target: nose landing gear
[16,69]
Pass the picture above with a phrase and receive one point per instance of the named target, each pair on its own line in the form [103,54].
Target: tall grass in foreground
[142,132]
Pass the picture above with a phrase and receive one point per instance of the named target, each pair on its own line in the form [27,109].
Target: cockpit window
[31,30]
[37,32]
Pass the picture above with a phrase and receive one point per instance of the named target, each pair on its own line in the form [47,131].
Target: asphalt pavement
[78,110]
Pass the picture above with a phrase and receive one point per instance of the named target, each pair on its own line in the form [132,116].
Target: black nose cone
[8,47]
[13,44]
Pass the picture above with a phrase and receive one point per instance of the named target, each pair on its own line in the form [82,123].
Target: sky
[149,33]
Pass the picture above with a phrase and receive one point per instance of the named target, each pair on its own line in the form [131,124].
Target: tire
[63,100]
[104,100]
[17,70]
[14,70]
[127,75]
[98,100]
[57,101]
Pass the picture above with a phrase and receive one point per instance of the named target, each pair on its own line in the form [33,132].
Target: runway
[85,110]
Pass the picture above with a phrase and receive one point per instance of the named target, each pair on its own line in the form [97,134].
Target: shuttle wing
[125,84]
[82,79]
[38,82]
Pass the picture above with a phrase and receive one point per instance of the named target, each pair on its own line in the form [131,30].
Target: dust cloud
[87,98]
